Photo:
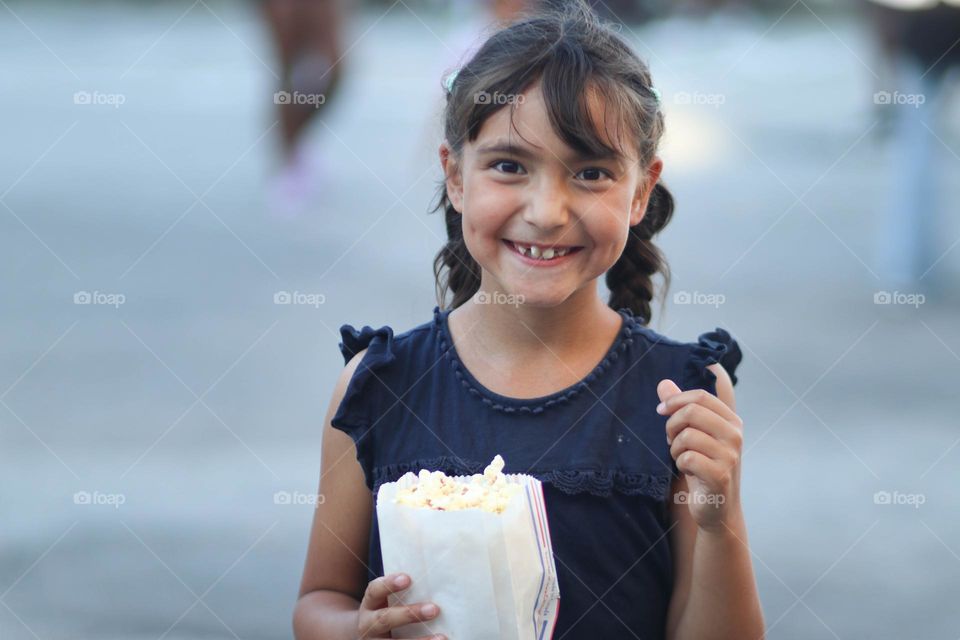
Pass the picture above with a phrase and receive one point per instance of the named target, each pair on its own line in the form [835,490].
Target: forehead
[525,120]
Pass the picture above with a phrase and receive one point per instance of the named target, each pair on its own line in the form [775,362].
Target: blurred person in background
[308,39]
[507,10]
[918,43]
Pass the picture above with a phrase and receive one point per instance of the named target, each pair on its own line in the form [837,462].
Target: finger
[388,618]
[698,416]
[691,439]
[377,591]
[694,463]
[702,397]
[667,388]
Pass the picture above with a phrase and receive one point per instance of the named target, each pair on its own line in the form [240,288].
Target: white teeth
[542,254]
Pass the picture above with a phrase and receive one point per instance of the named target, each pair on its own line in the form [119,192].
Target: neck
[521,330]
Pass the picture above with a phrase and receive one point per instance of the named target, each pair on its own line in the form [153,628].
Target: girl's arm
[336,602]
[715,593]
[334,574]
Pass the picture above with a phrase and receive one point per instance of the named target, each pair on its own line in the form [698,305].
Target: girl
[551,180]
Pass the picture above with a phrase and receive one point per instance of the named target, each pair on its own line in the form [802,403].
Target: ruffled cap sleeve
[353,342]
[712,347]
[361,406]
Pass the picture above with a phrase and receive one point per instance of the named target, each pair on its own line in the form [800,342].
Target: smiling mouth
[542,253]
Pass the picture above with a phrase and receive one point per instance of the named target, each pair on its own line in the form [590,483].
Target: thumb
[667,388]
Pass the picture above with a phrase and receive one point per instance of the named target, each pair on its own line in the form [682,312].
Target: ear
[452,176]
[642,197]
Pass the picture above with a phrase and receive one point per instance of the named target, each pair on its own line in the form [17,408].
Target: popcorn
[478,546]
[488,491]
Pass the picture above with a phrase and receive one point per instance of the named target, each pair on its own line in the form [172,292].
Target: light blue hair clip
[448,82]
[657,95]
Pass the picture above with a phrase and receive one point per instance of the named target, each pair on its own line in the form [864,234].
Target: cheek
[606,223]
[487,207]
[609,246]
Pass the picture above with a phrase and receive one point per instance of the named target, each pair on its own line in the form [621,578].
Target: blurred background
[194,196]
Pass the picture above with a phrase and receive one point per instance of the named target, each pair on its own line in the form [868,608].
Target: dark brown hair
[573,54]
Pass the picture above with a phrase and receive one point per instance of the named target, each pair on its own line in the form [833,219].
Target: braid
[454,269]
[630,279]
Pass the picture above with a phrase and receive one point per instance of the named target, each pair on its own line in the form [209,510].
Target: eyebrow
[507,148]
[524,152]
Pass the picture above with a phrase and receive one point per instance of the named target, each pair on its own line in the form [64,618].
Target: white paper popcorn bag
[477,546]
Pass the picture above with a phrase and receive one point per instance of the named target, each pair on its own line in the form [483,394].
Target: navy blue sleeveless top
[599,447]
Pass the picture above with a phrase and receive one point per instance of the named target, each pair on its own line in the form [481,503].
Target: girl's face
[541,220]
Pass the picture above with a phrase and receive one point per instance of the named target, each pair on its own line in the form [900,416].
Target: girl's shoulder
[710,347]
[388,359]
[384,345]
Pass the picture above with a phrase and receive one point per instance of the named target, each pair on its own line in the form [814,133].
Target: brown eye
[593,174]
[507,166]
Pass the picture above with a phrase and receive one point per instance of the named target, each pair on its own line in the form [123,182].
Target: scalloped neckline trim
[510,404]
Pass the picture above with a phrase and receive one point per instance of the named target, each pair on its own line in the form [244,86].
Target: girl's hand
[375,619]
[706,440]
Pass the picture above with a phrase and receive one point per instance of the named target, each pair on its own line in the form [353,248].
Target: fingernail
[661,407]
[400,581]
[429,610]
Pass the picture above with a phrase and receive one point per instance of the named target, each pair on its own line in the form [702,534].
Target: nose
[548,206]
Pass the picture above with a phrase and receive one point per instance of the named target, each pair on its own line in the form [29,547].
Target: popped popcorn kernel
[489,491]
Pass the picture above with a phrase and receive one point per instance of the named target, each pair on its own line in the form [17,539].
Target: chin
[538,298]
